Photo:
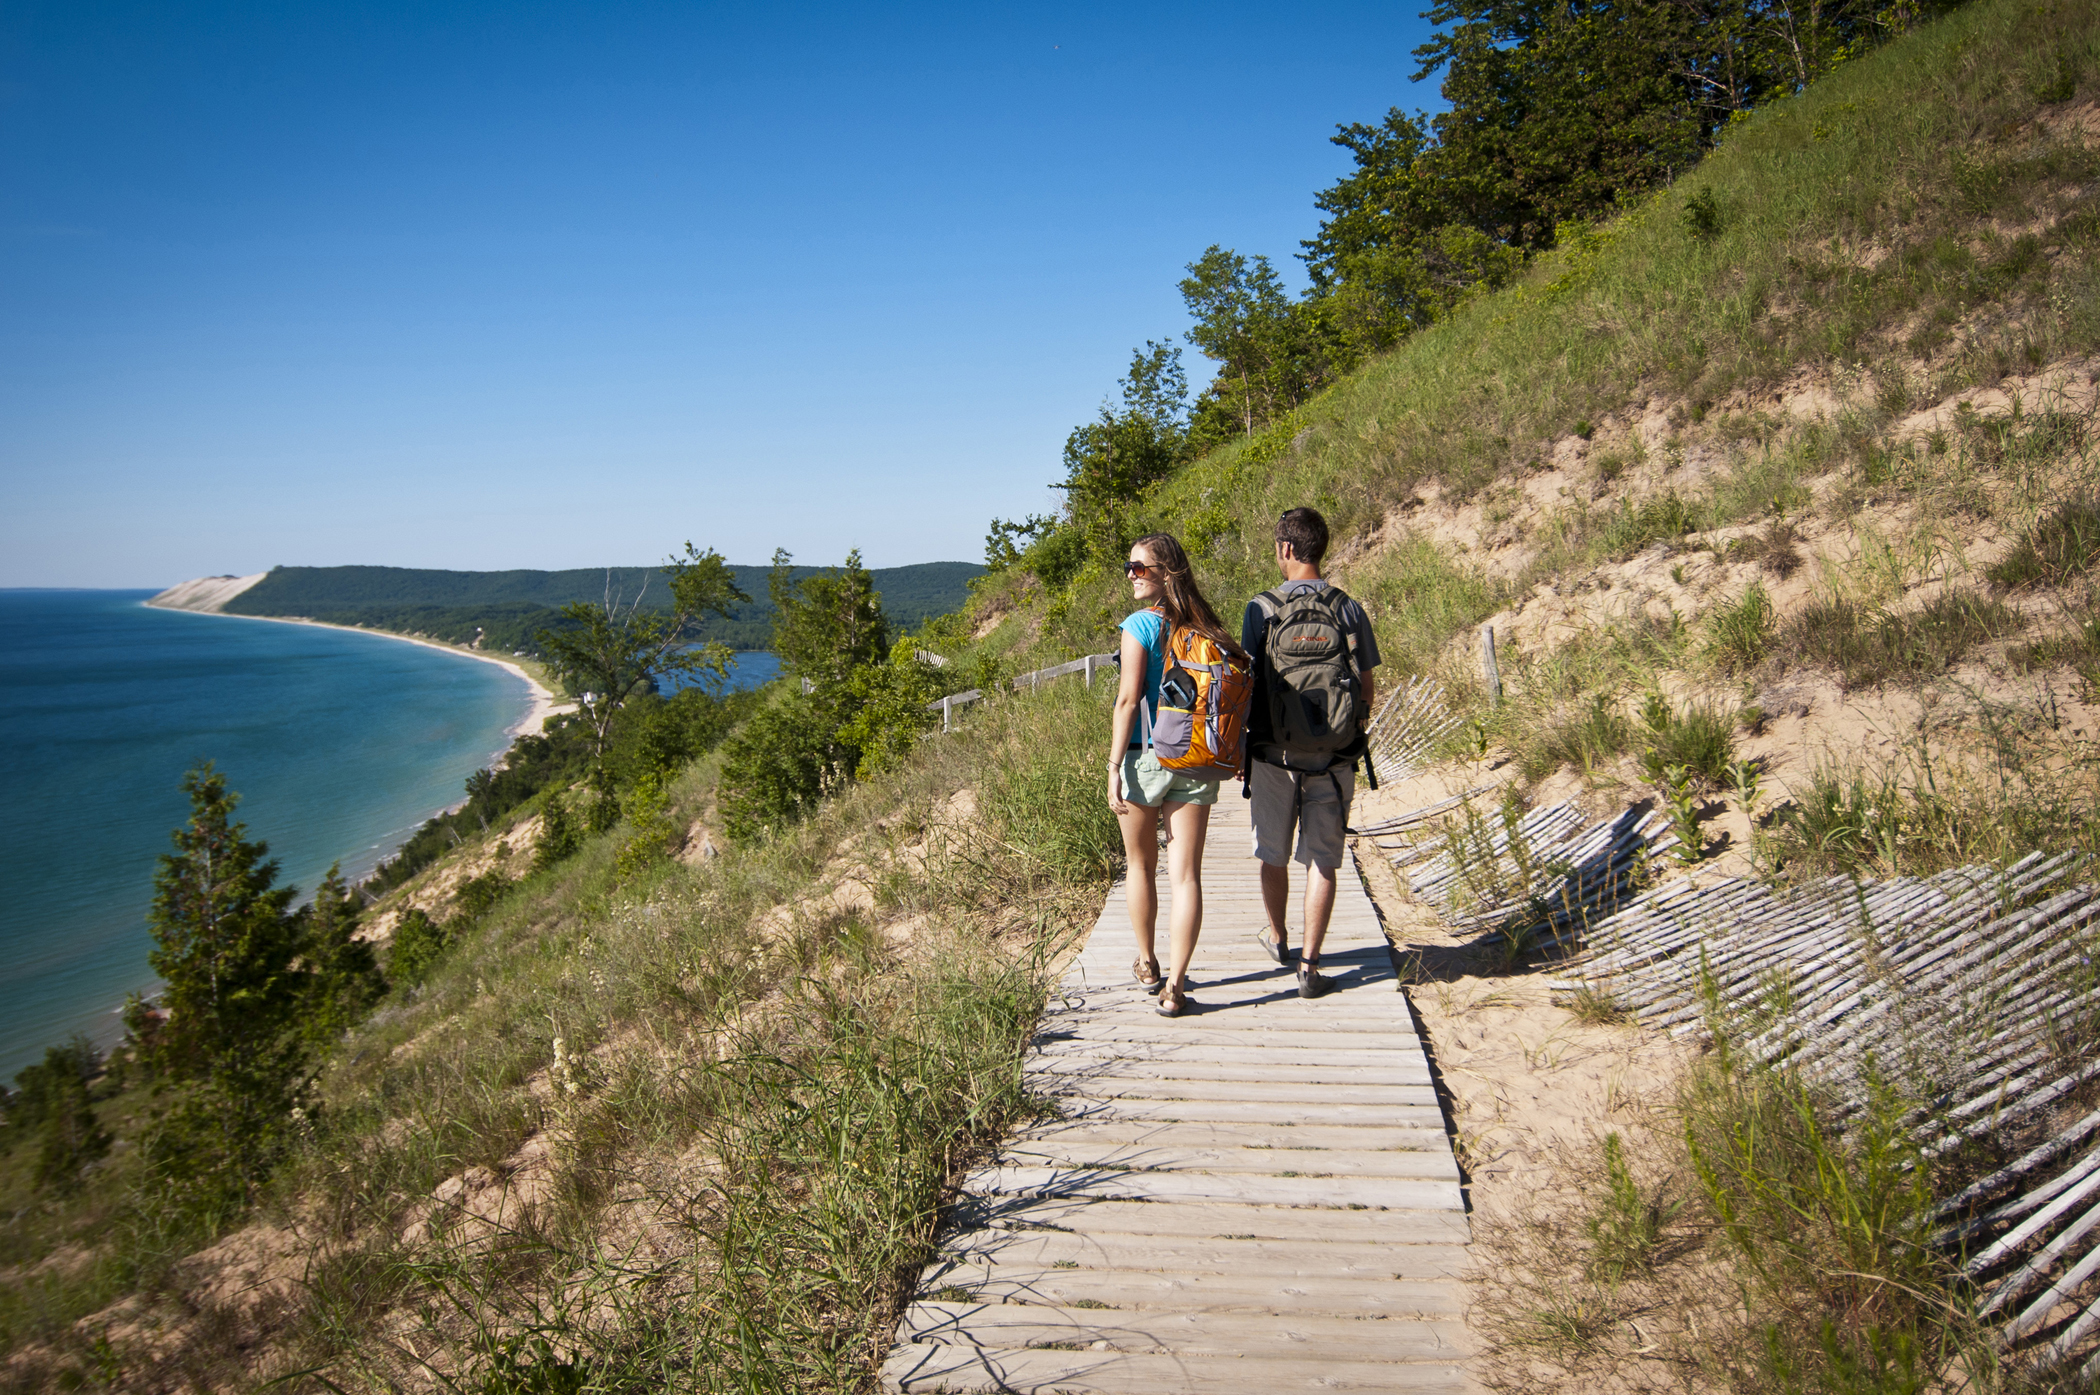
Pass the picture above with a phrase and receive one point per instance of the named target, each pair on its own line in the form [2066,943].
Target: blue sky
[560,285]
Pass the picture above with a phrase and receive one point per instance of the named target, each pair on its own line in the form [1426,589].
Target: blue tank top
[1149,628]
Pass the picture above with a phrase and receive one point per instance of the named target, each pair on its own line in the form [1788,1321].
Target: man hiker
[1313,653]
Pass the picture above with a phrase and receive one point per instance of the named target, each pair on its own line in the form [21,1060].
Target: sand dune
[206,593]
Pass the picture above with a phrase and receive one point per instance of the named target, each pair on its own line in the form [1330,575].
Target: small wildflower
[564,1073]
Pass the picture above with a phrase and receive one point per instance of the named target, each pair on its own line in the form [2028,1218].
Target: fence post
[947,704]
[1488,671]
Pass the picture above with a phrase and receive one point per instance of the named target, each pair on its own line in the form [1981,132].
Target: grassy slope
[692,1119]
[1858,221]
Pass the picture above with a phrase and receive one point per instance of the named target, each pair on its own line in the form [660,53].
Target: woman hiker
[1139,788]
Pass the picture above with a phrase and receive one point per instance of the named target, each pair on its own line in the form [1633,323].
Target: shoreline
[542,706]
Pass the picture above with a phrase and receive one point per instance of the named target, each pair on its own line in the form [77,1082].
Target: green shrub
[652,830]
[1663,517]
[779,764]
[1868,648]
[1626,1229]
[1831,1226]
[1700,740]
[1740,632]
[559,836]
[1702,216]
[1586,737]
[477,894]
[419,943]
[892,710]
[2061,546]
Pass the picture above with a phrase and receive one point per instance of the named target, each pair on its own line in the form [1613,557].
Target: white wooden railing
[1087,665]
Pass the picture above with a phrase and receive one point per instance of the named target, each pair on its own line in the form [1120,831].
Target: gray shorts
[1315,807]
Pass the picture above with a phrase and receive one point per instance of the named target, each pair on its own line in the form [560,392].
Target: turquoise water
[340,744]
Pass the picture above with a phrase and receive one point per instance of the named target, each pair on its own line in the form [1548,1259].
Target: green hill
[507,608]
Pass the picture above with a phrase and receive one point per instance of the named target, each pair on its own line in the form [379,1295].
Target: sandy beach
[543,702]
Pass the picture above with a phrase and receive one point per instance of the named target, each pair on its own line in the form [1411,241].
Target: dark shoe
[1146,972]
[1278,950]
[1312,983]
[1173,1001]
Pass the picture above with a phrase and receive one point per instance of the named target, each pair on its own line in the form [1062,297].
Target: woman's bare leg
[1141,847]
[1188,824]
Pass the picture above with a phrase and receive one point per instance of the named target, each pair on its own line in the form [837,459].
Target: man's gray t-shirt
[1254,631]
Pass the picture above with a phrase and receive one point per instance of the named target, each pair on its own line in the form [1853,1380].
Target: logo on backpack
[1315,703]
[1205,695]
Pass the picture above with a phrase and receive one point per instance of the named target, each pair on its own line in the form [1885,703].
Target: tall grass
[687,1126]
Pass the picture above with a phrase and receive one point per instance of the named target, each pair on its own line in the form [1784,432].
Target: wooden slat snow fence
[1541,875]
[1256,1197]
[1974,986]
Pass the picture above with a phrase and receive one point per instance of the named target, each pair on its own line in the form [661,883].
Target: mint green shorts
[1147,782]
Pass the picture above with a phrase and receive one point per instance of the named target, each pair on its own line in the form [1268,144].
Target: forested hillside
[507,608]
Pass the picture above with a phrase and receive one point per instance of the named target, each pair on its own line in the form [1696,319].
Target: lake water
[340,743]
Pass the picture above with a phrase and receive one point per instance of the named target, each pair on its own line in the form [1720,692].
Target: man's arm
[1367,658]
[1253,625]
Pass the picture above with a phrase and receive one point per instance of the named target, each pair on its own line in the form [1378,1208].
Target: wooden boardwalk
[1258,1196]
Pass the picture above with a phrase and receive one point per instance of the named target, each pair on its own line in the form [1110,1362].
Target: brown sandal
[1149,982]
[1173,1001]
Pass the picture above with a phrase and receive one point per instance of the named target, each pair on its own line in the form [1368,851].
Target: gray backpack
[1315,703]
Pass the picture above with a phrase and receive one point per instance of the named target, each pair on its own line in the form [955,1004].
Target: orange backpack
[1204,697]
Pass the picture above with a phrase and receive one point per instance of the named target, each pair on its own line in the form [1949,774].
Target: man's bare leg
[1319,908]
[1276,897]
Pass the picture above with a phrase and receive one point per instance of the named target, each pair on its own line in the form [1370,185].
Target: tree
[827,629]
[223,941]
[1395,251]
[72,1136]
[345,974]
[51,1102]
[1111,461]
[890,715]
[826,625]
[779,764]
[227,947]
[559,838]
[611,651]
[1243,322]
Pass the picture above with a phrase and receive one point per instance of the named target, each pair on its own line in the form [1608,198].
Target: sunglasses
[1137,568]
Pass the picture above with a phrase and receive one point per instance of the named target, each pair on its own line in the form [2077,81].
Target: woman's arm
[1130,692]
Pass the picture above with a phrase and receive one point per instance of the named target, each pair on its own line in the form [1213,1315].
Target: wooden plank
[1353,989]
[1167,1156]
[1142,1290]
[1136,1014]
[1316,1111]
[1405,1193]
[1081,1069]
[1217,1220]
[1193,1333]
[1198,1133]
[1122,1032]
[964,1370]
[1238,1091]
[1206,1255]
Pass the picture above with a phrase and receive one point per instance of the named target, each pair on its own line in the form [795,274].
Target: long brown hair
[1180,599]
